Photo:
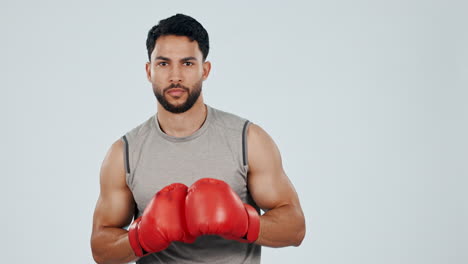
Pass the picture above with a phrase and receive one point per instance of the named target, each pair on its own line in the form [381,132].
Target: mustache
[178,85]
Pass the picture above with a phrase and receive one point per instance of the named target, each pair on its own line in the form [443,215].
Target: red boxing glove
[213,208]
[162,222]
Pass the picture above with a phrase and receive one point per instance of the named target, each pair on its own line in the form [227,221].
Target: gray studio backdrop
[366,101]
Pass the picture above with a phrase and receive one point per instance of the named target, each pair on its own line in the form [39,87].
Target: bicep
[115,205]
[268,183]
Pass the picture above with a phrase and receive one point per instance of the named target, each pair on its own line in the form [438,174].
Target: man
[193,177]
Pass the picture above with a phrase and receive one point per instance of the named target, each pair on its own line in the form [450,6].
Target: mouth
[176,92]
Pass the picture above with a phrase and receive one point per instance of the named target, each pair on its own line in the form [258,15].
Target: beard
[176,109]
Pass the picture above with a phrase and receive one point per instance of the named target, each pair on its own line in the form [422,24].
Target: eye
[188,63]
[162,63]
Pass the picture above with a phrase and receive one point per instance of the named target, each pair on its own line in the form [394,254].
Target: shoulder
[258,136]
[228,120]
[262,150]
[113,168]
[141,129]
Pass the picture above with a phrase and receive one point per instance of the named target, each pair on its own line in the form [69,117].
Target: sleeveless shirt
[218,149]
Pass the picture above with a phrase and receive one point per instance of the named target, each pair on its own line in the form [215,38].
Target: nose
[176,75]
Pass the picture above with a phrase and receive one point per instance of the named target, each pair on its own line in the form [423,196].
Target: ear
[148,71]
[206,69]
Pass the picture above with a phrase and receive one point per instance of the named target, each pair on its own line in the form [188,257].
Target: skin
[283,223]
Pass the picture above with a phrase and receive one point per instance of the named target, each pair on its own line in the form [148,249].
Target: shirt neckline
[194,135]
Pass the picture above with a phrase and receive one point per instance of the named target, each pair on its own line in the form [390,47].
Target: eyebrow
[183,59]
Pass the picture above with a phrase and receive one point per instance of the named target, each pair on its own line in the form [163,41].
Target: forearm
[282,226]
[111,246]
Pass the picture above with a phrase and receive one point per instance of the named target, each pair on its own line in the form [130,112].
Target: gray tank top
[218,150]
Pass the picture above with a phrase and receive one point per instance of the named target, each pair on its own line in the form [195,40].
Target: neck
[182,124]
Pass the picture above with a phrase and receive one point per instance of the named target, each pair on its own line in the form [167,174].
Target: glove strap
[254,224]
[133,238]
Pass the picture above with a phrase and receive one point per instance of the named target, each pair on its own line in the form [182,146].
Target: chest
[160,164]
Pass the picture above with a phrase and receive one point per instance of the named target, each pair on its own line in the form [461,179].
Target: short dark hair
[179,25]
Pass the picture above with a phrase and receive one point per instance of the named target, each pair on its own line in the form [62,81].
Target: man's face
[176,72]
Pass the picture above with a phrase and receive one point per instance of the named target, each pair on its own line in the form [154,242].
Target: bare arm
[114,210]
[283,223]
